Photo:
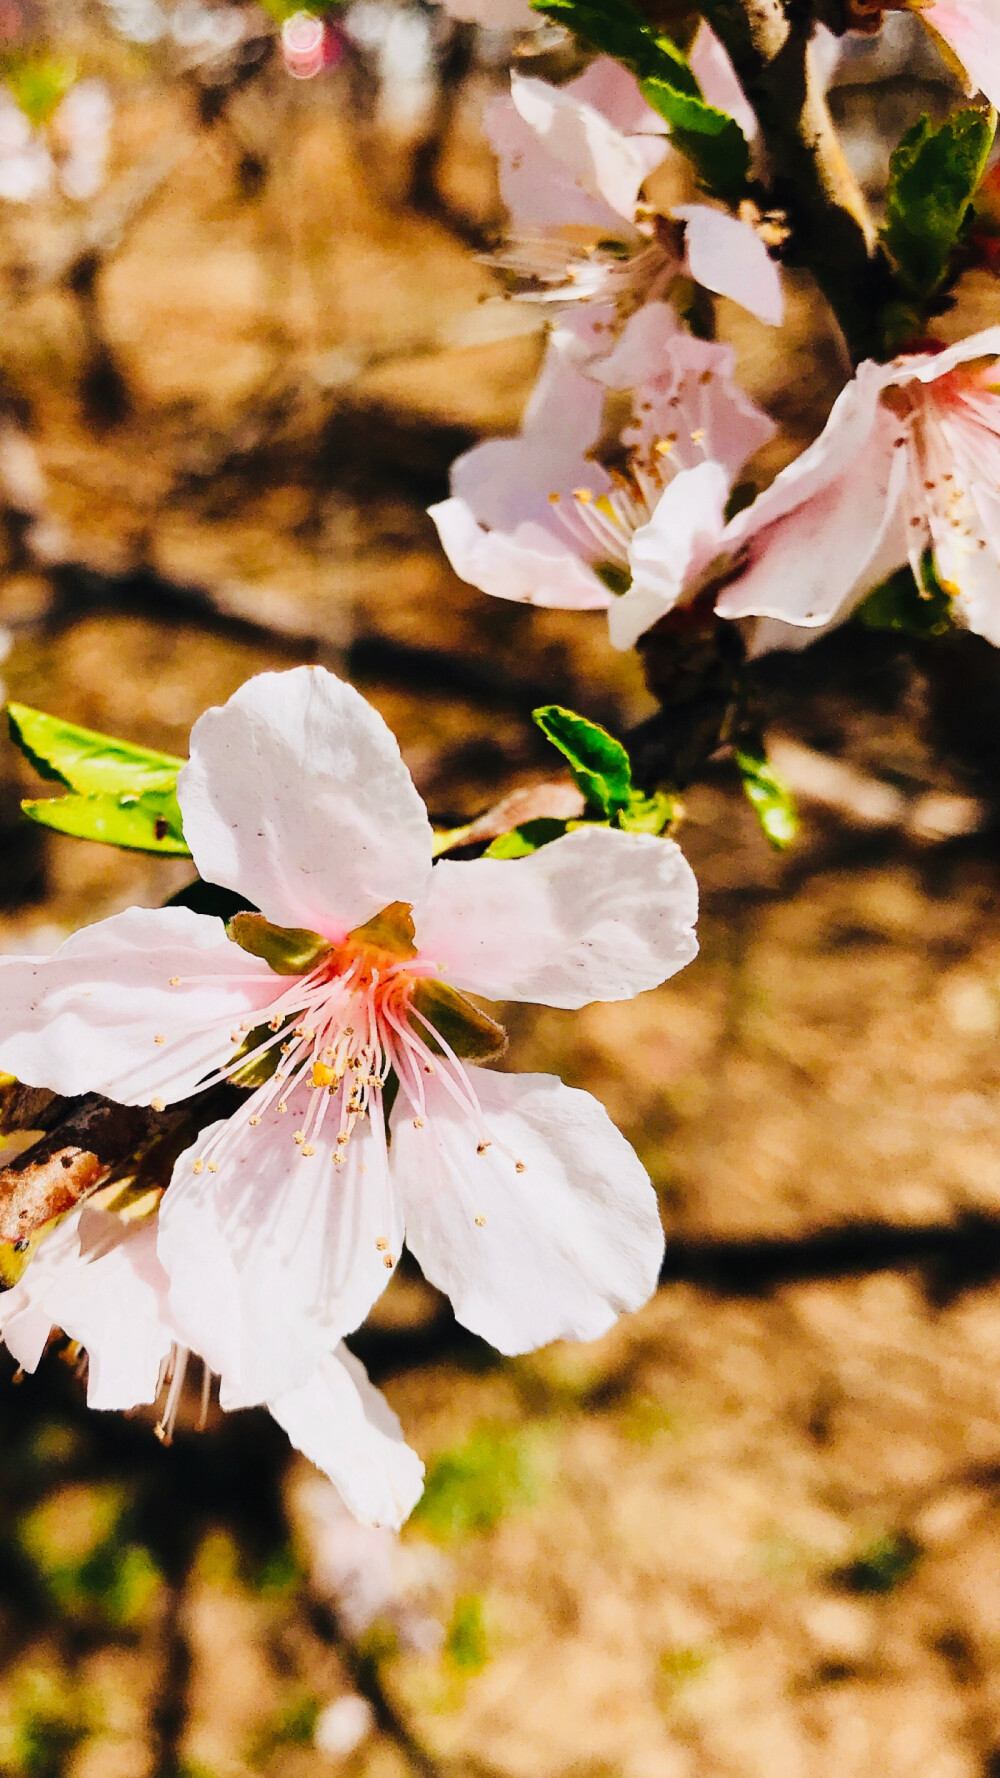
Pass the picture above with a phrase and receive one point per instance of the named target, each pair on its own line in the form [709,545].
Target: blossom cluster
[320,1058]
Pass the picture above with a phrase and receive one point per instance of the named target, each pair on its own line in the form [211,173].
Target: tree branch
[79,1154]
[808,177]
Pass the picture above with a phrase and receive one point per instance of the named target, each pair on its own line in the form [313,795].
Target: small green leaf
[900,604]
[599,763]
[770,799]
[84,760]
[288,950]
[466,1645]
[149,821]
[711,139]
[647,814]
[521,841]
[39,83]
[933,174]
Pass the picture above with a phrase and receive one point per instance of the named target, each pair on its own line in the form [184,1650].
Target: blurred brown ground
[755,1532]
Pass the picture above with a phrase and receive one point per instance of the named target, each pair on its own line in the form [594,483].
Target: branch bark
[77,1156]
[808,177]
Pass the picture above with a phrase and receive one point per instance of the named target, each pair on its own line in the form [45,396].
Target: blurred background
[755,1532]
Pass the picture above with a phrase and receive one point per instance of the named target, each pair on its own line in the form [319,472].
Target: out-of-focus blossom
[909,461]
[281,1225]
[537,518]
[573,161]
[368,1575]
[496,15]
[400,39]
[309,45]
[26,166]
[343,1725]
[81,127]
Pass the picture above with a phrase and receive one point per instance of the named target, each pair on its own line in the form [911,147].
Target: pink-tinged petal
[603,162]
[296,797]
[671,552]
[966,543]
[538,189]
[115,1304]
[972,32]
[278,1253]
[727,256]
[610,89]
[527,564]
[927,367]
[344,1425]
[97,1279]
[716,76]
[555,1248]
[685,394]
[595,915]
[101,1015]
[811,538]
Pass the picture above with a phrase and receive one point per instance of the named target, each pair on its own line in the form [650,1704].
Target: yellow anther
[213,1166]
[583,495]
[338,1159]
[323,1075]
[480,1222]
[382,1244]
[255,1120]
[197,1166]
[697,435]
[175,981]
[282,1106]
[157,1105]
[298,1136]
[388,1262]
[307,1149]
[664,446]
[418,1123]
[161,1037]
[553,499]
[483,1146]
[518,1166]
[343,1137]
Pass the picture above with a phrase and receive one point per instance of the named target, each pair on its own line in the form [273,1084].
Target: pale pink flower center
[951,432]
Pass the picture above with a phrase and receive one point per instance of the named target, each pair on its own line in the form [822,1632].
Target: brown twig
[78,1155]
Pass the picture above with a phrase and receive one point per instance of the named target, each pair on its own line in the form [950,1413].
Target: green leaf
[647,814]
[147,822]
[933,174]
[770,799]
[599,764]
[711,139]
[528,837]
[124,795]
[900,604]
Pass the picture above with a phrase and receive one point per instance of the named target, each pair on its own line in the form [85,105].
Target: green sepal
[711,139]
[471,1033]
[288,950]
[933,175]
[392,930]
[147,821]
[520,842]
[256,1073]
[600,765]
[901,605]
[770,798]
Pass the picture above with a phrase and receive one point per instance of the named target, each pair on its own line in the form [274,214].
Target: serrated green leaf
[523,840]
[147,822]
[711,139]
[770,799]
[599,764]
[900,604]
[84,760]
[933,174]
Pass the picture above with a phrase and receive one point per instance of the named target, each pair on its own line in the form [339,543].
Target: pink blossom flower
[909,460]
[98,1278]
[517,1195]
[536,518]
[573,160]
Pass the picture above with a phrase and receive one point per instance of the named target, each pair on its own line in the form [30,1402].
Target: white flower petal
[603,162]
[812,536]
[296,797]
[527,564]
[615,93]
[115,1304]
[725,255]
[667,556]
[554,1252]
[275,1256]
[342,1423]
[595,915]
[538,189]
[101,1016]
[971,29]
